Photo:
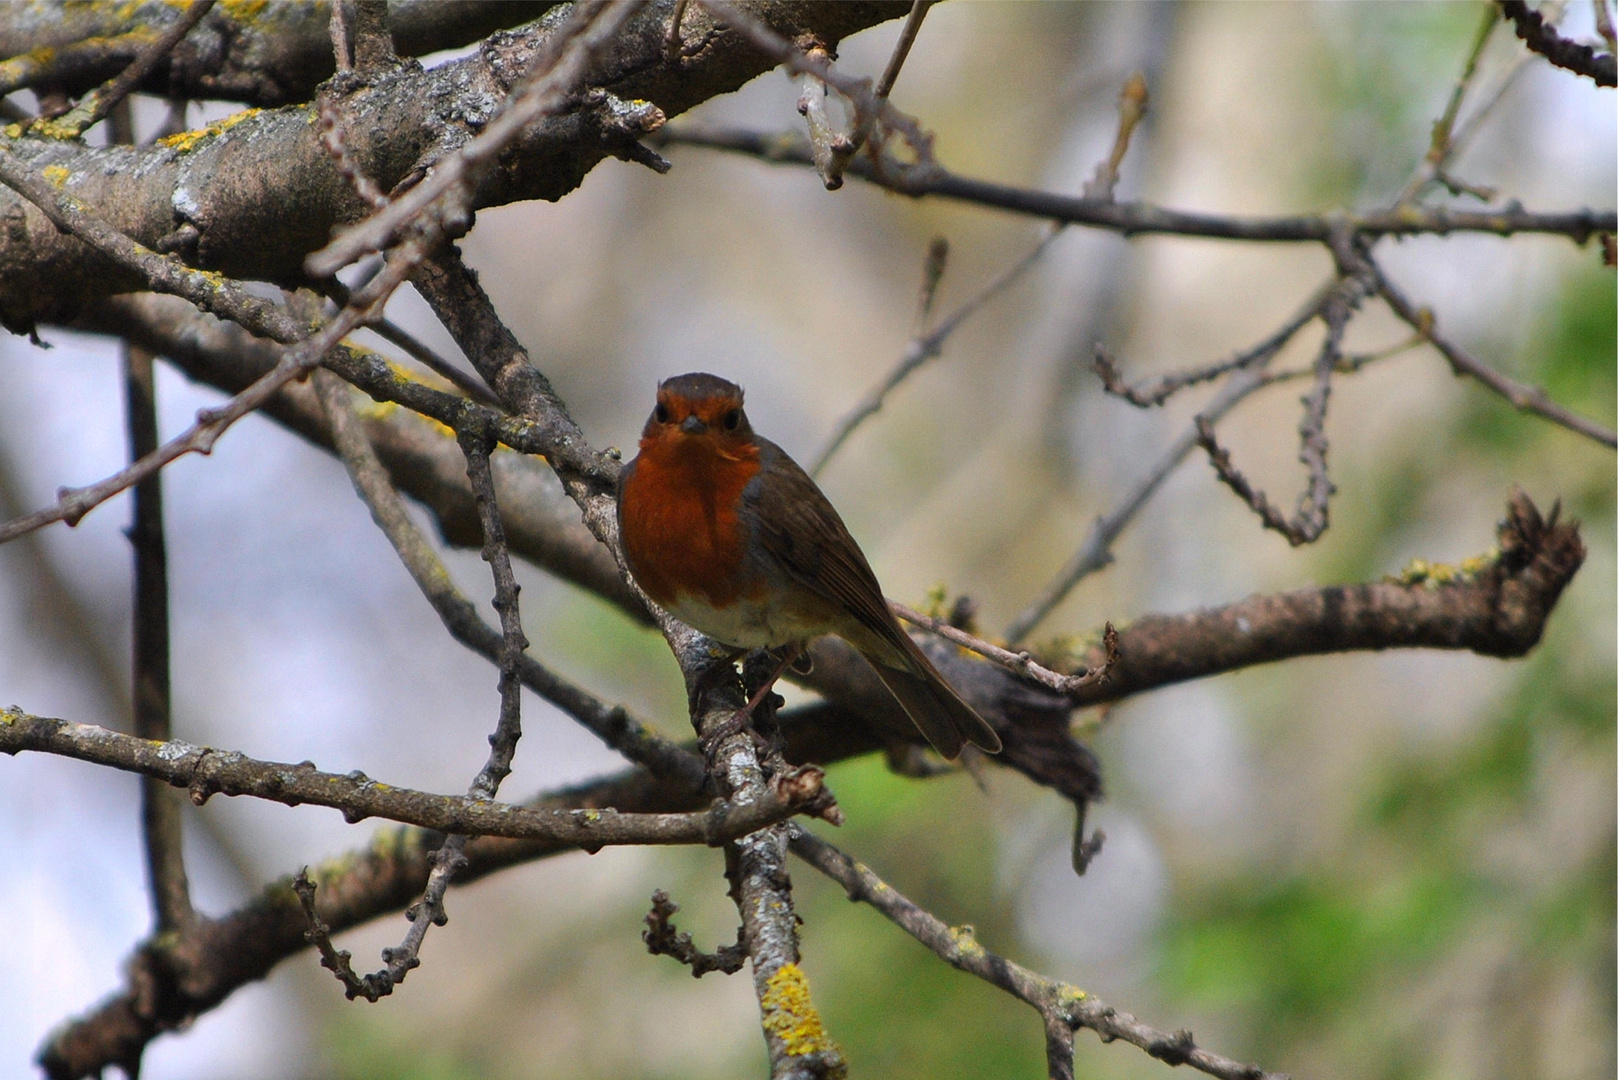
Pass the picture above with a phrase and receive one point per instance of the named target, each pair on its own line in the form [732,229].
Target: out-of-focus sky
[1262,796]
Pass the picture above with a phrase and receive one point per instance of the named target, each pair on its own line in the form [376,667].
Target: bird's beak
[693,425]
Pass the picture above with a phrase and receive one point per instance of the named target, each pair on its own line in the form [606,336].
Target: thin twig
[1442,145]
[1131,111]
[1060,1004]
[1138,218]
[901,48]
[1096,550]
[662,939]
[477,442]
[161,823]
[612,724]
[99,103]
[1022,663]
[1527,398]
[924,347]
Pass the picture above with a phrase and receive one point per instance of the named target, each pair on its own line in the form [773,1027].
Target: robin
[732,537]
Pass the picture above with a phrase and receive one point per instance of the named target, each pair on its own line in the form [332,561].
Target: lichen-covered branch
[205,772]
[251,196]
[1060,1004]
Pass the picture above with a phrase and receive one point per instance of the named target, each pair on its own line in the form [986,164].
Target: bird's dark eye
[661,414]
[733,419]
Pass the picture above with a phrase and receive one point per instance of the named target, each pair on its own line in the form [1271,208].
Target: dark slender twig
[1542,37]
[926,346]
[477,442]
[1527,398]
[1061,1005]
[1442,145]
[101,101]
[901,48]
[160,805]
[390,331]
[162,825]
[662,939]
[1137,218]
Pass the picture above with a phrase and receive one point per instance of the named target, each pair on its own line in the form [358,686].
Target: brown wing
[800,529]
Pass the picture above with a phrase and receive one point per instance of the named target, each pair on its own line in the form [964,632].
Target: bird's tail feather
[933,705]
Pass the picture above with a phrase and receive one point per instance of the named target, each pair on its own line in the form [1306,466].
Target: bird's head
[698,411]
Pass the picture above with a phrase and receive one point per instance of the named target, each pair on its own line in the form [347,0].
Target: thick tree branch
[264,55]
[253,195]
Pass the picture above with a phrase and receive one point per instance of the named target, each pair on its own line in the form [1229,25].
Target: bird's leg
[742,720]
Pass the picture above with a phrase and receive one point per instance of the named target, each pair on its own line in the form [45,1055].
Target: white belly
[744,624]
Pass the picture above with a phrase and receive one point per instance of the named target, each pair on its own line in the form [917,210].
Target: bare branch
[1522,396]
[1136,218]
[663,940]
[1059,1004]
[160,806]
[206,772]
[901,48]
[926,346]
[1541,37]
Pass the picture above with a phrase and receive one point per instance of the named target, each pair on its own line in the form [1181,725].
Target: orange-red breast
[727,533]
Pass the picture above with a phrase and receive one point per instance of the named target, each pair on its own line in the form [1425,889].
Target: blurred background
[1394,865]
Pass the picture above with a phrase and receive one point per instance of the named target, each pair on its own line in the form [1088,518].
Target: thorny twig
[1063,1006]
[663,940]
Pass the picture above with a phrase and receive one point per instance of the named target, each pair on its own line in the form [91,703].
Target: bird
[729,535]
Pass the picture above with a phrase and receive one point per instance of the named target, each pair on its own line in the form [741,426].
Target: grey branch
[205,772]
[1060,1004]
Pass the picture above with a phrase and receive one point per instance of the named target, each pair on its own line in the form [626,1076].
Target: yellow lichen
[790,1015]
[1437,575]
[964,938]
[1068,995]
[56,174]
[243,10]
[186,141]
